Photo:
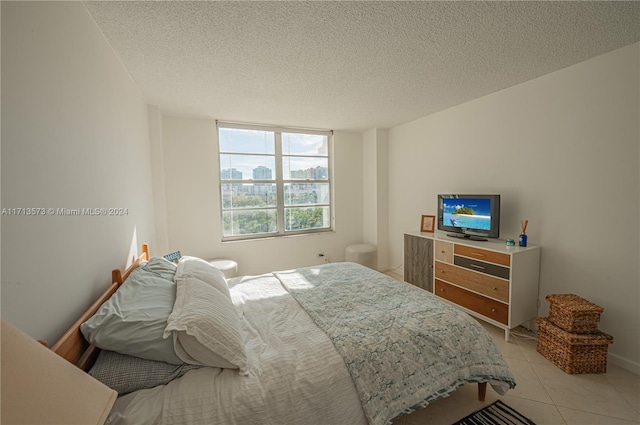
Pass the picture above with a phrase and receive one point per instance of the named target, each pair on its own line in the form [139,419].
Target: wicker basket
[573,353]
[573,313]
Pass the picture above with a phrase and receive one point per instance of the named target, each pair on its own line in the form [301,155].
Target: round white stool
[228,267]
[364,254]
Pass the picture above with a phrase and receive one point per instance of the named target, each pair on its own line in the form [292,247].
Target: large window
[274,181]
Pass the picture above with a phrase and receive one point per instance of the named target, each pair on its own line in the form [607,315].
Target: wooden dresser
[489,280]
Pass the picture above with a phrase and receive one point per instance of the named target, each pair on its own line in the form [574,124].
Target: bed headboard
[72,346]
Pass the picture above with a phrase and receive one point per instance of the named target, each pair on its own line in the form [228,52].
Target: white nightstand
[226,266]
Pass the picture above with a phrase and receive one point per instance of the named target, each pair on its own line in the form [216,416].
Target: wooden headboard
[72,346]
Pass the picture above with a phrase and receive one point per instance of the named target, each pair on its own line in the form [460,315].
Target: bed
[337,343]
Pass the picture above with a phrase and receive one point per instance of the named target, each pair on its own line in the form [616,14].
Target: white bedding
[296,376]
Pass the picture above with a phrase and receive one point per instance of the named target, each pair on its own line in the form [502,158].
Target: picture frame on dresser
[427,224]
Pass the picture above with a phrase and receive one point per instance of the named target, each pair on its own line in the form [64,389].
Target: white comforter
[296,376]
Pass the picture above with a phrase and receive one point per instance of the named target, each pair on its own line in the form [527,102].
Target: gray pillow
[132,321]
[160,266]
[126,374]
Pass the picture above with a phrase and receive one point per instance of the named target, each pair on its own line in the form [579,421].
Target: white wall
[74,135]
[563,151]
[375,145]
[157,175]
[191,172]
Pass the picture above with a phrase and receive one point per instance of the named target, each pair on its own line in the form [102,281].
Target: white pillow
[133,320]
[204,271]
[205,327]
[190,351]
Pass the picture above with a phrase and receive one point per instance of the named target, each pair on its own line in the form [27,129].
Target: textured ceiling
[349,65]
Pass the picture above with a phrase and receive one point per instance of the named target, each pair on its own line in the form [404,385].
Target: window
[274,181]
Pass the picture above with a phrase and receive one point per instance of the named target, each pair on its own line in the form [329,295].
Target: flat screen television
[474,217]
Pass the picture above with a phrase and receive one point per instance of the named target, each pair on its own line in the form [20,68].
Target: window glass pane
[302,168]
[246,141]
[304,144]
[306,193]
[237,195]
[306,218]
[247,167]
[249,222]
[270,176]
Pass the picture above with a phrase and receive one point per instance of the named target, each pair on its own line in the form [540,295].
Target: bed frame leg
[482,390]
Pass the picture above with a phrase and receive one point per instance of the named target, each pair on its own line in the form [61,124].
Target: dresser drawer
[482,267]
[483,254]
[444,252]
[478,282]
[487,307]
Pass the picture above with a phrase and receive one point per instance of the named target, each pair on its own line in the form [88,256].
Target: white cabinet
[489,280]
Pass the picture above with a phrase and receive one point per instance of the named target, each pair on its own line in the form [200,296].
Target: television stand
[489,280]
[465,236]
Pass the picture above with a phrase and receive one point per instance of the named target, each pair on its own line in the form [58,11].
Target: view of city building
[265,173]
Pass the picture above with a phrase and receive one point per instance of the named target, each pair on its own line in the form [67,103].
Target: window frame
[279,180]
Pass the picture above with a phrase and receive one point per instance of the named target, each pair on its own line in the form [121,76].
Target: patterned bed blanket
[403,347]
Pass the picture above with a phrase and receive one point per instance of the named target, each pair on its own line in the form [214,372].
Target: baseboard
[624,363]
[387,268]
[394,275]
[530,325]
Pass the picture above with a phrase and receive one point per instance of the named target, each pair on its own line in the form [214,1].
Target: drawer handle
[495,288]
[475,266]
[442,252]
[493,310]
[479,254]
[441,289]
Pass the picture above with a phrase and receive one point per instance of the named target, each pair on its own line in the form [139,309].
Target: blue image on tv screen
[467,213]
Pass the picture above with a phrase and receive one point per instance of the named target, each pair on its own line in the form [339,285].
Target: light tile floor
[543,392]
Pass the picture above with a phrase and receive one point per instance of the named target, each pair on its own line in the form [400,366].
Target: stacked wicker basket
[570,338]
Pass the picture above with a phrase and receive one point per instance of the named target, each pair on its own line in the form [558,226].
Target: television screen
[469,216]
[468,213]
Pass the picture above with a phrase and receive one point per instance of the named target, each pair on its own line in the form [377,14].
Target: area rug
[497,413]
